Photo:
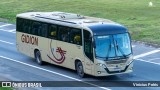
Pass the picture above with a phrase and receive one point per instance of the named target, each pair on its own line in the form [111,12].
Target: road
[18,67]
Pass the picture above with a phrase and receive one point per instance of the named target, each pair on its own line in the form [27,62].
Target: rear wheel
[38,57]
[79,68]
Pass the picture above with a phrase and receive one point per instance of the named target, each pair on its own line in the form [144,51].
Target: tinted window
[19,24]
[26,26]
[35,28]
[64,33]
[42,30]
[32,27]
[75,36]
[88,47]
[52,32]
[23,25]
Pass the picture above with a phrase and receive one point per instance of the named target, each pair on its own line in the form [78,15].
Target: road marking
[154,59]
[145,54]
[6,42]
[54,72]
[133,46]
[11,31]
[5,25]
[147,61]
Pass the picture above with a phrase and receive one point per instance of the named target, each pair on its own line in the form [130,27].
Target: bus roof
[103,29]
[96,25]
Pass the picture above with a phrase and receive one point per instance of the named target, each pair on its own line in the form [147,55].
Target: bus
[88,45]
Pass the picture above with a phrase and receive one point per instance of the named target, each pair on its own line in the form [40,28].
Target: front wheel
[79,68]
[38,57]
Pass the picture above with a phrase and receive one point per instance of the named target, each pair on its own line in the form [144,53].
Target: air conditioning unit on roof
[64,15]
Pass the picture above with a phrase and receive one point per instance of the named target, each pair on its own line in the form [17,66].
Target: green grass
[143,21]
[6,88]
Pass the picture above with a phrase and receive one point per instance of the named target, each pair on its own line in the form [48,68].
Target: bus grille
[116,61]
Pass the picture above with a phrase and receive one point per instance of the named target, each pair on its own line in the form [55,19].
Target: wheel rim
[80,70]
[38,57]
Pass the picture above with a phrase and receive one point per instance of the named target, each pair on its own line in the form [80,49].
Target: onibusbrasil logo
[59,51]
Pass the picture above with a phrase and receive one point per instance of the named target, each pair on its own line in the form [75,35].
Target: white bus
[89,45]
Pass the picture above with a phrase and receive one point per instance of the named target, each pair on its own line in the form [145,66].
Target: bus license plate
[117,69]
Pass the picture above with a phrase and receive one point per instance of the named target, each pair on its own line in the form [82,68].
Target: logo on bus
[60,51]
[29,39]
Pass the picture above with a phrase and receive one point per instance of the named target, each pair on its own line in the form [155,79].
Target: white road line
[11,31]
[6,42]
[148,61]
[5,25]
[153,59]
[145,54]
[53,72]
[133,46]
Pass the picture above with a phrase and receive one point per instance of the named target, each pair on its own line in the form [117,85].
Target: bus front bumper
[107,72]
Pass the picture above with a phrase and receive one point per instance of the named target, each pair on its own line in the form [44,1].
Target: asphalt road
[17,67]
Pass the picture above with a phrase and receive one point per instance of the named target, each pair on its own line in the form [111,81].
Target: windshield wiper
[119,49]
[109,49]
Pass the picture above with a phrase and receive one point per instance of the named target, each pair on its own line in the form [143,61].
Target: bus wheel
[79,68]
[38,57]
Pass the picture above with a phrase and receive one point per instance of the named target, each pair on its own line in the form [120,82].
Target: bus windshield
[112,46]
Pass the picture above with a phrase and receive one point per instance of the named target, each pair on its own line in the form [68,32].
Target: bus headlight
[101,65]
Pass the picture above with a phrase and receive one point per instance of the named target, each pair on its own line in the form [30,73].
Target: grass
[5,88]
[143,21]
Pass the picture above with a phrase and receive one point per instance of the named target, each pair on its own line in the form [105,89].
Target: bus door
[88,50]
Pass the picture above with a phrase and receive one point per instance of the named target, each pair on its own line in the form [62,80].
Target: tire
[79,69]
[38,58]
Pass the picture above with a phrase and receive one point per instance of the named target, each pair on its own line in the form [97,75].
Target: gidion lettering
[29,39]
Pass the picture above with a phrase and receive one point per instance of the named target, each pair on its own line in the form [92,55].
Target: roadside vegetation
[6,88]
[142,20]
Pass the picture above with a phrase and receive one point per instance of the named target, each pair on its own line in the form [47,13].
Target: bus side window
[42,31]
[19,25]
[88,47]
[27,26]
[24,26]
[52,32]
[35,28]
[76,36]
[64,34]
